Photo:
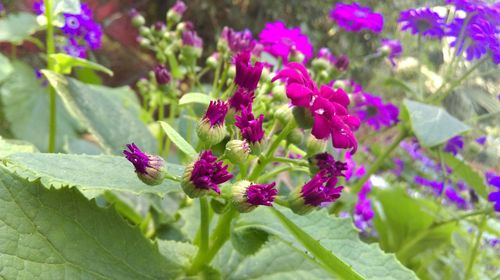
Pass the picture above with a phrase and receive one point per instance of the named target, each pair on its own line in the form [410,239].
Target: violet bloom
[247,76]
[353,169]
[399,166]
[374,112]
[326,54]
[481,140]
[237,42]
[216,112]
[363,213]
[479,37]
[2,8]
[162,75]
[191,38]
[494,181]
[179,8]
[148,168]
[435,186]
[279,41]
[328,107]
[415,151]
[422,21]
[354,18]
[211,129]
[392,48]
[205,175]
[250,127]
[241,99]
[332,168]
[342,63]
[454,197]
[469,5]
[38,7]
[73,48]
[247,196]
[454,145]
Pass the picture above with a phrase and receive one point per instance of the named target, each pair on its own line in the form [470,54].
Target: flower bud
[342,63]
[315,146]
[295,137]
[144,31]
[279,93]
[303,117]
[175,13]
[138,20]
[247,196]
[162,75]
[213,60]
[237,151]
[149,168]
[211,129]
[143,42]
[284,114]
[296,55]
[319,64]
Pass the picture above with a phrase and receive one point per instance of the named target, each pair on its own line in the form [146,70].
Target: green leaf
[64,63]
[334,234]
[92,175]
[56,234]
[248,241]
[177,139]
[5,67]
[195,97]
[181,253]
[433,125]
[464,171]
[15,28]
[66,6]
[8,147]
[112,124]
[25,105]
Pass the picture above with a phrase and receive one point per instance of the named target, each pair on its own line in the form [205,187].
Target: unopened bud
[315,146]
[237,151]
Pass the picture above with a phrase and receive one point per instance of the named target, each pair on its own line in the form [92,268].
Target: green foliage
[25,102]
[92,175]
[111,123]
[177,139]
[15,28]
[5,68]
[334,234]
[433,125]
[8,147]
[64,63]
[248,241]
[195,97]
[50,234]
[463,171]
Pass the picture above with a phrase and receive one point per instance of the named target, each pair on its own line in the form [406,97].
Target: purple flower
[454,145]
[279,41]
[261,194]
[204,175]
[237,42]
[372,110]
[73,48]
[241,99]
[73,25]
[179,7]
[328,107]
[392,48]
[326,54]
[469,5]
[494,197]
[399,166]
[2,8]
[216,112]
[435,186]
[479,36]
[317,192]
[415,151]
[247,76]
[332,168]
[363,213]
[455,197]
[354,18]
[481,140]
[422,21]
[139,159]
[38,7]
[148,168]
[93,36]
[342,63]
[250,128]
[353,169]
[162,75]
[190,38]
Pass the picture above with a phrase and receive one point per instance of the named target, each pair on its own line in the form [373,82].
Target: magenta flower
[454,145]
[204,175]
[353,169]
[372,110]
[354,18]
[279,41]
[216,112]
[422,21]
[191,38]
[363,212]
[162,75]
[328,107]
[139,159]
[247,76]
[241,99]
[179,7]
[250,128]
[317,192]
[325,53]
[332,168]
[73,48]
[392,48]
[149,168]
[261,194]
[237,42]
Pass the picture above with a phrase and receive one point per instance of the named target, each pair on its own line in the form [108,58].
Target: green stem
[50,65]
[378,162]
[174,66]
[223,79]
[216,77]
[171,116]
[300,162]
[420,66]
[161,114]
[473,253]
[330,262]
[461,217]
[220,235]
[204,224]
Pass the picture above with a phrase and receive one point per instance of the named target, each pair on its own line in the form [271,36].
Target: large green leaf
[177,139]
[26,107]
[195,97]
[462,170]
[277,259]
[433,125]
[59,234]
[112,124]
[15,28]
[5,67]
[335,234]
[8,147]
[92,175]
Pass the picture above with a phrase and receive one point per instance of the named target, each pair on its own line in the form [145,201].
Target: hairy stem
[50,66]
[473,253]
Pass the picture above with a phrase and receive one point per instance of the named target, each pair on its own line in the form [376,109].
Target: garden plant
[254,154]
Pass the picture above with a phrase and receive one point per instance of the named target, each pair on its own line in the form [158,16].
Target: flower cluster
[327,107]
[281,42]
[354,18]
[363,212]
[374,112]
[82,32]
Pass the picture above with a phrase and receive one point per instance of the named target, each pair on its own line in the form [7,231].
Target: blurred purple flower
[241,99]
[454,145]
[216,112]
[73,48]
[241,41]
[250,127]
[316,192]
[481,140]
[247,76]
[354,18]
[179,7]
[279,41]
[191,38]
[392,48]
[422,21]
[374,112]
[363,212]
[399,166]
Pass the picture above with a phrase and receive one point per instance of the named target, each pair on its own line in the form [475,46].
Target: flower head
[354,18]
[237,42]
[332,168]
[149,168]
[191,38]
[75,49]
[250,127]
[179,7]
[204,175]
[279,41]
[211,129]
[372,110]
[247,196]
[241,99]
[216,112]
[162,74]
[454,145]
[422,21]
[392,48]
[38,7]
[247,76]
